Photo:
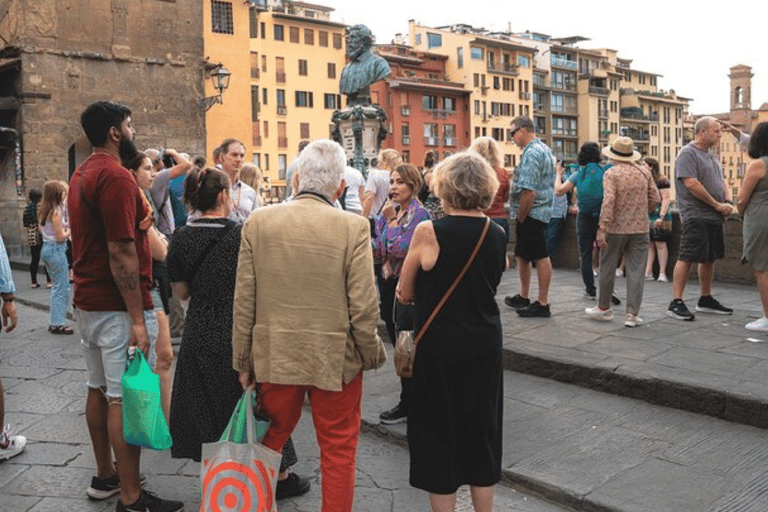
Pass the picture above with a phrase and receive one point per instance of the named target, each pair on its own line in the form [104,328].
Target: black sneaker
[677,309]
[709,304]
[534,309]
[149,502]
[615,300]
[393,416]
[517,301]
[292,486]
[102,489]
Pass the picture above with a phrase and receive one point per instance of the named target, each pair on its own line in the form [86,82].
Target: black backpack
[30,215]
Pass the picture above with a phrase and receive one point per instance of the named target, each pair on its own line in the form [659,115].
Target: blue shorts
[105,338]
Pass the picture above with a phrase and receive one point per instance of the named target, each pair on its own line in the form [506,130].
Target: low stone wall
[729,269]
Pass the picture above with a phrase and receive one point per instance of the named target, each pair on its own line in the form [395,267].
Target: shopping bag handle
[250,426]
[251,417]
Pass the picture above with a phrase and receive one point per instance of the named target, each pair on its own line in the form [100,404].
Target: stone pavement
[711,366]
[44,379]
[581,448]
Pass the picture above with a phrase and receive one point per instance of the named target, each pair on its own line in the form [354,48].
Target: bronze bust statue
[363,69]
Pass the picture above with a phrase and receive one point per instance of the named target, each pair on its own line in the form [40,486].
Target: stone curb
[665,392]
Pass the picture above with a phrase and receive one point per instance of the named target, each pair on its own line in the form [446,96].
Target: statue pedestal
[360,130]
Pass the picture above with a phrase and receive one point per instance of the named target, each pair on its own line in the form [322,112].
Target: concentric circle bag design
[238,474]
[230,486]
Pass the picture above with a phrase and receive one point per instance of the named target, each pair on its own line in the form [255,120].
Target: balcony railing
[280,77]
[603,112]
[431,141]
[635,135]
[560,109]
[636,113]
[282,142]
[282,110]
[600,91]
[564,63]
[501,67]
[449,141]
[439,112]
[406,139]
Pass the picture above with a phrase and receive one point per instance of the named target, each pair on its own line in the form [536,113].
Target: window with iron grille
[221,17]
[253,23]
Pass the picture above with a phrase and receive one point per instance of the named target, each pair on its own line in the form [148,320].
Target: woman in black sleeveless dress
[454,428]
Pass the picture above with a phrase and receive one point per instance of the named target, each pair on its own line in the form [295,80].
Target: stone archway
[78,152]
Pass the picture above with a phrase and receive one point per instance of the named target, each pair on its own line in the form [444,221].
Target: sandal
[60,329]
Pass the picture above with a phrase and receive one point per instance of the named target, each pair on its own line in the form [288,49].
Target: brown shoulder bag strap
[454,285]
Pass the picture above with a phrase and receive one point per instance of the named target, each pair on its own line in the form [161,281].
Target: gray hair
[321,167]
[525,123]
[703,123]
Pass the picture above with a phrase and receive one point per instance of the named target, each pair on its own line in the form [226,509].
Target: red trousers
[336,416]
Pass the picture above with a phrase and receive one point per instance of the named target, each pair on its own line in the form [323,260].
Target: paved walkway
[583,448]
[44,379]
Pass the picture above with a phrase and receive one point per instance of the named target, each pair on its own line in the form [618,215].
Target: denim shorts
[106,335]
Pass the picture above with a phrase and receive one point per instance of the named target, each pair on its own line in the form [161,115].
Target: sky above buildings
[692,47]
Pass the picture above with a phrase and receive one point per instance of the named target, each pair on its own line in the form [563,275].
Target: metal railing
[500,67]
[564,63]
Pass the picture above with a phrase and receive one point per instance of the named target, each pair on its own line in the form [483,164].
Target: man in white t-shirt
[354,191]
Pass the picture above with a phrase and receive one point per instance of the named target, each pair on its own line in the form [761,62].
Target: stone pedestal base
[360,130]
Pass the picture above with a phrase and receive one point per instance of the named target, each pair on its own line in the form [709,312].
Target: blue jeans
[504,223]
[587,225]
[54,255]
[554,234]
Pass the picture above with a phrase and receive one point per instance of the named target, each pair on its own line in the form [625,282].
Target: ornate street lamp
[220,79]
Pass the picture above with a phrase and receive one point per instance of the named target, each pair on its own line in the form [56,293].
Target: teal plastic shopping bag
[236,428]
[143,420]
[239,475]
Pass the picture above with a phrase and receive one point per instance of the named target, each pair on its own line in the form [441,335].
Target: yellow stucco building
[285,62]
[733,155]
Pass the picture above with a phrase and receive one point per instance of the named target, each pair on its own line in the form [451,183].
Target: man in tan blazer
[305,316]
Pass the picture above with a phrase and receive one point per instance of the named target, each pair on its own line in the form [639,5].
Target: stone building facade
[60,55]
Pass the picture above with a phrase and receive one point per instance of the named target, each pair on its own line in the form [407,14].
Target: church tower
[741,87]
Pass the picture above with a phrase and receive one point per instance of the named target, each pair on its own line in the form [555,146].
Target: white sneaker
[15,446]
[632,320]
[663,278]
[619,273]
[603,315]
[761,324]
[595,272]
[649,277]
